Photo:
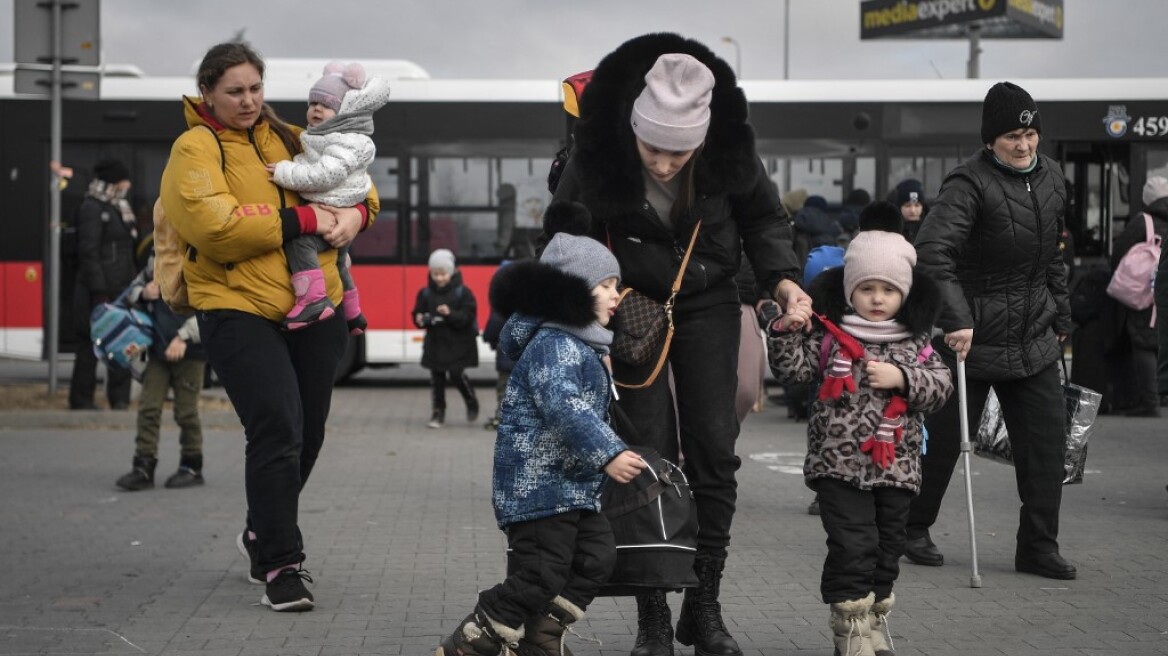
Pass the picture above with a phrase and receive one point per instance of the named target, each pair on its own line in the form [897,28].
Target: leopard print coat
[837,428]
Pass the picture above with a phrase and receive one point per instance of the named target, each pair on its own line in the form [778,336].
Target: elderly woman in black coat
[991,241]
[663,144]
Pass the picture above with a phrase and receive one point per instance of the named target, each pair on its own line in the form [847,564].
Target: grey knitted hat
[442,260]
[1154,189]
[582,257]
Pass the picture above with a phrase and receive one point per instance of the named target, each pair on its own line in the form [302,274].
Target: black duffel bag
[655,523]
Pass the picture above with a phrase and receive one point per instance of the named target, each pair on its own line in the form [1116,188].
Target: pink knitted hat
[673,110]
[879,255]
[338,79]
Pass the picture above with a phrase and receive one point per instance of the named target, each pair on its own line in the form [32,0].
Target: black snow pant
[461,382]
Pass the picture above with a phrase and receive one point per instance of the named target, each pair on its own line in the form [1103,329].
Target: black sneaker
[248,548]
[184,477]
[286,592]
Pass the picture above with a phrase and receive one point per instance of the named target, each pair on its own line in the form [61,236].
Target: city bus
[462,164]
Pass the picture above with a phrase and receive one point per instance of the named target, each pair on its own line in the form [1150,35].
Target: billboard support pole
[53,336]
[972,66]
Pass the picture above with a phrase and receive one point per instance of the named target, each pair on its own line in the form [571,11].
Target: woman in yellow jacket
[221,201]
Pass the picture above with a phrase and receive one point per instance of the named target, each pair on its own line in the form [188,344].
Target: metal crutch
[966,448]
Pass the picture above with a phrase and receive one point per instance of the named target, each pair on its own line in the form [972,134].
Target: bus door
[1100,179]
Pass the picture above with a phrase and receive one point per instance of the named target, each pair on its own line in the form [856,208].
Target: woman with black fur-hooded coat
[554,450]
[662,143]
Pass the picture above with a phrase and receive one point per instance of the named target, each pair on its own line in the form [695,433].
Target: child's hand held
[625,466]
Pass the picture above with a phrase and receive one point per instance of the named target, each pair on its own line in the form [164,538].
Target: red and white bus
[462,164]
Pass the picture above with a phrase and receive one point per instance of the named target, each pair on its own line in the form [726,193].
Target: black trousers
[568,555]
[438,387]
[704,361]
[865,539]
[83,382]
[1035,416]
[281,385]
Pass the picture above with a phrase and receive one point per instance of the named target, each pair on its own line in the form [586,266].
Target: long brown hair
[683,205]
[227,55]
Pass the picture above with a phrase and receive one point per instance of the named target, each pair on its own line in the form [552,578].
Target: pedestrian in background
[663,143]
[880,379]
[224,206]
[107,232]
[992,242]
[1135,340]
[909,196]
[446,309]
[492,332]
[554,450]
[175,362]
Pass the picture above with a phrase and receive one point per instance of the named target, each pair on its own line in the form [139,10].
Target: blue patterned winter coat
[553,439]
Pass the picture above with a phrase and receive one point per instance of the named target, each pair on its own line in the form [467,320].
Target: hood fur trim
[539,290]
[605,146]
[919,312]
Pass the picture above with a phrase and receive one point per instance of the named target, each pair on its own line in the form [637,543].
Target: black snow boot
[654,625]
[189,474]
[700,622]
[141,477]
[479,635]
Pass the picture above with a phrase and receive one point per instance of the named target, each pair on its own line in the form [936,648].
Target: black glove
[767,313]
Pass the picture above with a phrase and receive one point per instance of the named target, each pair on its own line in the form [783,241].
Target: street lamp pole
[737,55]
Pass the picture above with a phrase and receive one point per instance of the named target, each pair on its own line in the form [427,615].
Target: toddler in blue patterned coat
[555,449]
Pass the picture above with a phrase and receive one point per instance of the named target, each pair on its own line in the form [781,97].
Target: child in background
[554,449]
[446,310]
[877,379]
[331,170]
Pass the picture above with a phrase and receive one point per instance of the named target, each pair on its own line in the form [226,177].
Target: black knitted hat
[111,171]
[1007,107]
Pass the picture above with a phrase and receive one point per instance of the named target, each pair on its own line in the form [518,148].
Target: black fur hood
[605,146]
[532,288]
[919,312]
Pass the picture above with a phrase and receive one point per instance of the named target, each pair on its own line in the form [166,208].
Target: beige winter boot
[851,628]
[878,619]
[544,635]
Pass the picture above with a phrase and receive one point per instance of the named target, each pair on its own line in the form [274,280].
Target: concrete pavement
[400,535]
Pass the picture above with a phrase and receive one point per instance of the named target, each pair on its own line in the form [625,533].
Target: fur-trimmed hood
[536,289]
[605,146]
[919,311]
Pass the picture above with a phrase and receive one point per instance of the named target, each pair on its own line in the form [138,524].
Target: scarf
[360,121]
[882,443]
[875,332]
[111,195]
[596,335]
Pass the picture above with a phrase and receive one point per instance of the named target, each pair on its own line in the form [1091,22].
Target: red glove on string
[838,377]
[882,445]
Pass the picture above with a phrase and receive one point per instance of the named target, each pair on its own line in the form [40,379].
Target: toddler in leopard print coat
[878,377]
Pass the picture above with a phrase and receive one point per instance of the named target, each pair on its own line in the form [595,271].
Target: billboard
[949,19]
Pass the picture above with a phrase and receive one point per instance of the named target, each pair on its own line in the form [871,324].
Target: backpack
[121,335]
[655,526]
[1131,284]
[170,249]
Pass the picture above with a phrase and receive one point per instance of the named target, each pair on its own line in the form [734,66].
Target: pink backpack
[1131,284]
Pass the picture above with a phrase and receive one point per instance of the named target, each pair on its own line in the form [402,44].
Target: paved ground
[400,536]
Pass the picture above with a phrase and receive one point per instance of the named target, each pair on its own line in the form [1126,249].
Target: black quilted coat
[991,242]
[737,203]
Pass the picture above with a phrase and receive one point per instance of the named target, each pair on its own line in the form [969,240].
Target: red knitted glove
[882,445]
[837,378]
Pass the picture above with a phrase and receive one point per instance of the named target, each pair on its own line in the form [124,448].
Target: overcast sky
[555,38]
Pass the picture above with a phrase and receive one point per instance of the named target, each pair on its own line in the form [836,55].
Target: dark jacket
[105,248]
[991,241]
[737,203]
[1135,325]
[554,438]
[167,324]
[450,343]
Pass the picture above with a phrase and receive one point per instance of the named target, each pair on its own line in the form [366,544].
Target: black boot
[700,621]
[189,474]
[479,635]
[141,477]
[654,625]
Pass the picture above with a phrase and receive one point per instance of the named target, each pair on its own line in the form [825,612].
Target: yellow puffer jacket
[231,216]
